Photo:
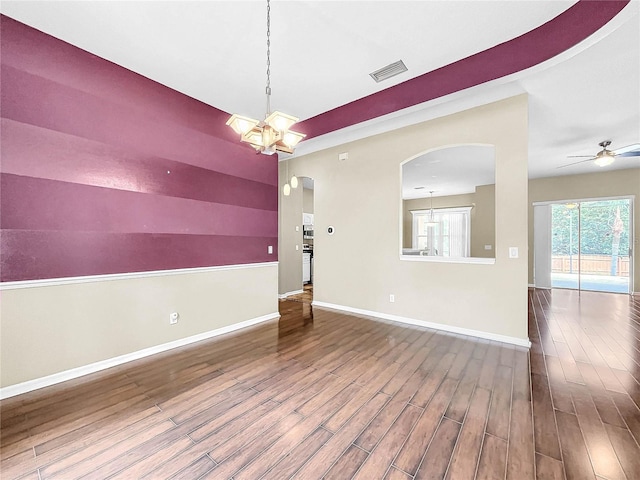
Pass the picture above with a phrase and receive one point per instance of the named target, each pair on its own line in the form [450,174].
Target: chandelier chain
[268,89]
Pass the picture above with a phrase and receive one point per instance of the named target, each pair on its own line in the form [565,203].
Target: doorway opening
[590,245]
[308,248]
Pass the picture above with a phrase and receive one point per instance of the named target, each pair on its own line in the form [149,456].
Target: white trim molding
[288,294]
[562,201]
[437,259]
[46,282]
[421,323]
[28,386]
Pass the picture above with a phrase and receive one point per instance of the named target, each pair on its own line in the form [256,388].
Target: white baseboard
[288,294]
[28,386]
[421,323]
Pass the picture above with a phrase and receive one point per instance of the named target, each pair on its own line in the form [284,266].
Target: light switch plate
[270,249]
[513,252]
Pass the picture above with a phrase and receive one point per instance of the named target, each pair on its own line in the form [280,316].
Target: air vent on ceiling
[389,71]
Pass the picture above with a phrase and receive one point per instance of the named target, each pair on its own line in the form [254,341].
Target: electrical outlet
[173,318]
[392,298]
[270,249]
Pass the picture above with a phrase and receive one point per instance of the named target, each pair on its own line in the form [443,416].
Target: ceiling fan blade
[634,147]
[575,163]
[629,154]
[580,156]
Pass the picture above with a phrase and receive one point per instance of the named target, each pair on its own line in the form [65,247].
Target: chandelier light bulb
[241,125]
[294,182]
[286,190]
[291,138]
[280,124]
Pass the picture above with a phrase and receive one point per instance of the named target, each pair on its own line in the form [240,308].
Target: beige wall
[360,266]
[290,217]
[591,185]
[51,329]
[483,217]
[307,200]
[307,207]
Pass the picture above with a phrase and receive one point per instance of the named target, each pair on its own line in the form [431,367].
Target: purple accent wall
[534,47]
[78,253]
[105,171]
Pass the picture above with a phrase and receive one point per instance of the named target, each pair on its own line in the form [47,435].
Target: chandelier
[271,135]
[432,222]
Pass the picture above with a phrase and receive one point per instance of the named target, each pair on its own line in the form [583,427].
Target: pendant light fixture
[271,135]
[293,183]
[431,223]
[286,190]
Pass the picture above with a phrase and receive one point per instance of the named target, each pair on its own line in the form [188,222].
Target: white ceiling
[449,171]
[323,51]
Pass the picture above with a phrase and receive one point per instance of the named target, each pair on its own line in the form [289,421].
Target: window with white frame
[448,235]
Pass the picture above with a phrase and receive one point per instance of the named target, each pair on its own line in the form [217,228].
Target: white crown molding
[46,282]
[436,326]
[24,387]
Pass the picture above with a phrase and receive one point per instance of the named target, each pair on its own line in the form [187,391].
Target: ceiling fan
[605,156]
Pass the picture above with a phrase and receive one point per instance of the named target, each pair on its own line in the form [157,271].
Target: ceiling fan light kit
[271,135]
[604,158]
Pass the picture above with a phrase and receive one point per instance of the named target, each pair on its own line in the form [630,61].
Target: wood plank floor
[320,394]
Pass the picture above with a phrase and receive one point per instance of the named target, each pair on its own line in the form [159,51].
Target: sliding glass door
[590,243]
[565,245]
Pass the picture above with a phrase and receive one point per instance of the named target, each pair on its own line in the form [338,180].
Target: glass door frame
[579,201]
